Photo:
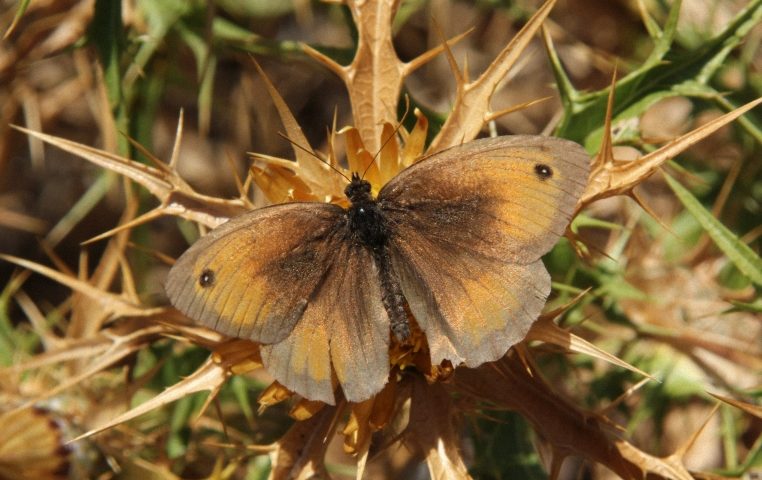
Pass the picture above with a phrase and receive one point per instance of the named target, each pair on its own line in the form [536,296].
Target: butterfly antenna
[309,151]
[396,129]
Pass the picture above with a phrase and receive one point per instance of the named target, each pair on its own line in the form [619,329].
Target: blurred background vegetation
[665,298]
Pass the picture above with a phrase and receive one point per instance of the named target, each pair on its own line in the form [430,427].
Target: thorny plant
[102,331]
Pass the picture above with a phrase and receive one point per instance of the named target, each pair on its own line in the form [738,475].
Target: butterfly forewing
[510,197]
[253,276]
[468,228]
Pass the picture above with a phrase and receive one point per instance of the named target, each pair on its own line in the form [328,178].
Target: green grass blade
[107,37]
[667,73]
[23,5]
[567,92]
[743,257]
[666,37]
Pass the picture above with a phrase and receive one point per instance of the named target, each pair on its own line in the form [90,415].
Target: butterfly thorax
[366,220]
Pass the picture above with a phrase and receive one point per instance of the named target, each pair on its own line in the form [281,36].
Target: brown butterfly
[456,238]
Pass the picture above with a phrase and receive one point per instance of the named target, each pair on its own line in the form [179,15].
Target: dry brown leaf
[39,323]
[87,315]
[300,453]
[322,182]
[176,196]
[279,183]
[208,377]
[78,349]
[608,179]
[33,39]
[20,221]
[566,430]
[118,348]
[471,108]
[114,305]
[415,141]
[431,430]
[749,408]
[545,330]
[669,468]
[374,78]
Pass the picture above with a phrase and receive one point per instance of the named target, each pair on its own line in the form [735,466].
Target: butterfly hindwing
[471,309]
[345,325]
[468,227]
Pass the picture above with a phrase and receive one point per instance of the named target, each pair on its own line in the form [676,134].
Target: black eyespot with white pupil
[543,171]
[206,279]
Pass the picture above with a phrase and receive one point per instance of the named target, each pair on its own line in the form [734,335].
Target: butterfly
[456,239]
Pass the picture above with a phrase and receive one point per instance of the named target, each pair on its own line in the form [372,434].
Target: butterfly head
[358,190]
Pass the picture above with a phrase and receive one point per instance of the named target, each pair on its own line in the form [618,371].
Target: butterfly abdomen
[392,296]
[368,227]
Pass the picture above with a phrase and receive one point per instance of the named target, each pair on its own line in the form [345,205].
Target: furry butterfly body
[455,239]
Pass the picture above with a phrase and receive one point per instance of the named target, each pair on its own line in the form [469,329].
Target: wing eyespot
[206,279]
[543,171]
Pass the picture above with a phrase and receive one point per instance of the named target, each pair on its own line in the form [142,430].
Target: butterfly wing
[259,271]
[469,226]
[344,325]
[286,276]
